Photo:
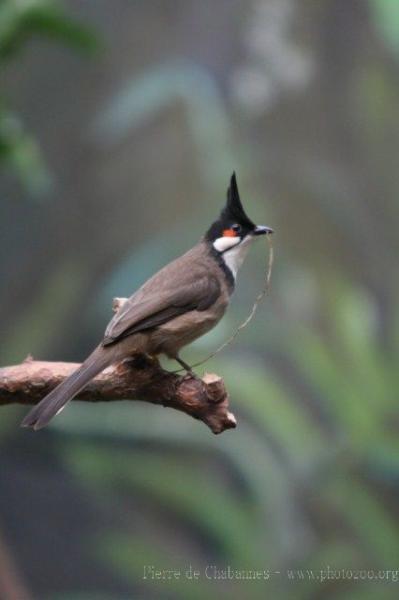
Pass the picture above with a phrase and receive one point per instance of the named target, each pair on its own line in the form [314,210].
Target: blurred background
[120,125]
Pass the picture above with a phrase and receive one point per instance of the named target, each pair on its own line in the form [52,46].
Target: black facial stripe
[226,271]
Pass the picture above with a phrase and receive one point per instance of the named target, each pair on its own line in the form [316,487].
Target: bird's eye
[237,228]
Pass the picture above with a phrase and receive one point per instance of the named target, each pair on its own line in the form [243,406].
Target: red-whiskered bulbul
[178,304]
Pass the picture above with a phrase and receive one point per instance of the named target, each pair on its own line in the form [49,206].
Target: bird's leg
[186,367]
[183,364]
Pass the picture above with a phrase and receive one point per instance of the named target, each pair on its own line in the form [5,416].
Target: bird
[180,303]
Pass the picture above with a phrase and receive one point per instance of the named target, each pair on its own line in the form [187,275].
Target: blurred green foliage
[20,22]
[21,152]
[386,14]
[299,486]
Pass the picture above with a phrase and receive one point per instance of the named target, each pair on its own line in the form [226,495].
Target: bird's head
[231,234]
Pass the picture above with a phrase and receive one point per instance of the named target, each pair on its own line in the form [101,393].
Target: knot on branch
[207,399]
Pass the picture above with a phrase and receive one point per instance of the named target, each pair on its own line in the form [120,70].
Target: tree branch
[138,378]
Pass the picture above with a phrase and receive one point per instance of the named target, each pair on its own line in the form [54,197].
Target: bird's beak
[262,230]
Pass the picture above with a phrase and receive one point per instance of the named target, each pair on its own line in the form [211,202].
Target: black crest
[233,211]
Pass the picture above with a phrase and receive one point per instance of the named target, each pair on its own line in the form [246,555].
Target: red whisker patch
[229,233]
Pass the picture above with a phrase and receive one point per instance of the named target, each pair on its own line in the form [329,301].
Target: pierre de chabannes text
[212,572]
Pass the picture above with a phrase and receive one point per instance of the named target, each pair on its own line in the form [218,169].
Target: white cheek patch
[224,243]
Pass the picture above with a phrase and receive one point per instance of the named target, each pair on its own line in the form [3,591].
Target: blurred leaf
[376,531]
[20,152]
[222,517]
[246,455]
[263,397]
[350,373]
[386,16]
[168,84]
[44,312]
[21,21]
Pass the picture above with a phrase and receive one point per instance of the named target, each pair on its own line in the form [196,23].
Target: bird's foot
[141,361]
[189,372]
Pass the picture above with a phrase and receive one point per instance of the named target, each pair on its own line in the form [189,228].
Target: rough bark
[139,378]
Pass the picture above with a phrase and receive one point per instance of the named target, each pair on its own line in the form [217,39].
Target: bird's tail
[55,401]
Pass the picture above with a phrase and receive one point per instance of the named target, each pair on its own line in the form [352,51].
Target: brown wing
[147,309]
